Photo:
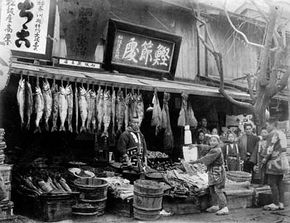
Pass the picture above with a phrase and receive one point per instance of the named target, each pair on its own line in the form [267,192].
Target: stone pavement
[251,215]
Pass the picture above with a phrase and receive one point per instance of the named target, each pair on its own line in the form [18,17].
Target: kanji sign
[25,26]
[136,49]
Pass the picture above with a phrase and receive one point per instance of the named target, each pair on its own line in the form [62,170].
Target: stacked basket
[239,176]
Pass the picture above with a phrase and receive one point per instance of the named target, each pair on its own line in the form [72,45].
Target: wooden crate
[240,198]
[180,206]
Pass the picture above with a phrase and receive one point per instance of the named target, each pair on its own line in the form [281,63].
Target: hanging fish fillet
[38,107]
[28,104]
[100,108]
[47,97]
[76,109]
[156,113]
[90,112]
[107,112]
[164,114]
[93,109]
[133,106]
[128,100]
[62,107]
[140,108]
[168,140]
[183,111]
[113,113]
[55,104]
[70,106]
[191,118]
[83,107]
[21,99]
[120,110]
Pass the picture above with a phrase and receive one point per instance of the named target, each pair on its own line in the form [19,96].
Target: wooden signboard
[139,50]
[26,27]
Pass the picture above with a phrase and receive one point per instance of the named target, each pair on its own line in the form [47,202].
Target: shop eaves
[120,80]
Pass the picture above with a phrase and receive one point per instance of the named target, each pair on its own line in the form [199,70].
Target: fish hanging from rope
[47,99]
[55,104]
[21,99]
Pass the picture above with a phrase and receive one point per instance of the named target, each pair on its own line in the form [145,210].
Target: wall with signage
[26,25]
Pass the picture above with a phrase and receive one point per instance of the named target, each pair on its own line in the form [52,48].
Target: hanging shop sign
[26,27]
[63,62]
[140,50]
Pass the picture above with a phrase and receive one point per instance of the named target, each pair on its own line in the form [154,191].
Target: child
[214,161]
[232,154]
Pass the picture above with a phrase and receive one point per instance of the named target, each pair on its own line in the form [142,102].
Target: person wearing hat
[132,147]
[214,160]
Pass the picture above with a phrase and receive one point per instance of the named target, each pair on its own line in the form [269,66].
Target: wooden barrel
[147,201]
[94,192]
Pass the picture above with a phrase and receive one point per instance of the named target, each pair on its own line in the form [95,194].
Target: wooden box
[240,198]
[180,206]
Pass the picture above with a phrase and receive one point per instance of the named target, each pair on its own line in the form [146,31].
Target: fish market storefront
[68,99]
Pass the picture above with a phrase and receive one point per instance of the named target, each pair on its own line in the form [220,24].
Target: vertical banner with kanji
[26,26]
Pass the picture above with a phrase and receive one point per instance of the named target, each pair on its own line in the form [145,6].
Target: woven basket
[239,176]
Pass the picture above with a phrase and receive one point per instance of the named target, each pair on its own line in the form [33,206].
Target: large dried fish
[133,106]
[90,112]
[107,112]
[76,109]
[93,109]
[140,108]
[128,100]
[70,105]
[28,104]
[38,107]
[100,108]
[62,107]
[21,99]
[120,110]
[83,107]
[113,112]
[183,111]
[168,140]
[47,97]
[156,113]
[55,100]
[191,120]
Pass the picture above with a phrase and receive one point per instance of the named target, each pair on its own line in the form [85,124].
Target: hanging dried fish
[21,99]
[183,111]
[107,113]
[113,112]
[128,100]
[62,107]
[55,104]
[191,118]
[83,107]
[28,103]
[38,107]
[120,110]
[70,106]
[100,108]
[90,112]
[47,97]
[76,109]
[156,113]
[168,140]
[93,109]
[140,108]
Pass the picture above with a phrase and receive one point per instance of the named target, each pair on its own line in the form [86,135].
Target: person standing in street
[214,160]
[232,154]
[247,143]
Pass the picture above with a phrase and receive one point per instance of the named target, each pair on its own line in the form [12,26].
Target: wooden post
[205,54]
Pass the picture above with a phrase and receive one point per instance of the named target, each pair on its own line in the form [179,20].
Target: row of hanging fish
[186,114]
[161,119]
[93,110]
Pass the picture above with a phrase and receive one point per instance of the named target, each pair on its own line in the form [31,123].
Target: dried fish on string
[168,140]
[183,111]
[113,112]
[93,109]
[156,113]
[83,107]
[21,99]
[47,98]
[107,112]
[140,108]
[70,104]
[62,107]
[28,103]
[55,104]
[100,108]
[90,111]
[128,100]
[76,109]
[38,107]
[120,109]
[191,118]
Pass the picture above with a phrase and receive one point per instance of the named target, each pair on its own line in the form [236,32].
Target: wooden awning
[120,80]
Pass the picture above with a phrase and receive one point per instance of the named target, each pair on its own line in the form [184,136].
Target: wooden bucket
[147,201]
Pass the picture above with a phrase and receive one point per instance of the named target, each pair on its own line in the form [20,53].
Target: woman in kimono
[213,159]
